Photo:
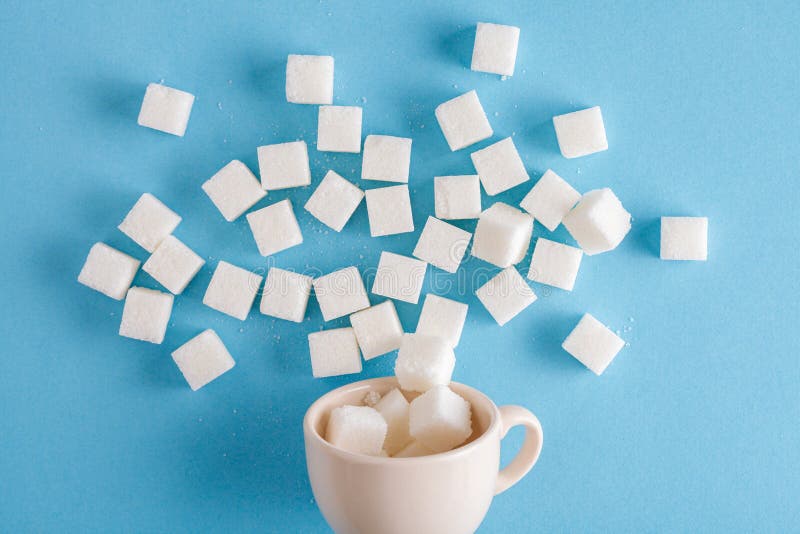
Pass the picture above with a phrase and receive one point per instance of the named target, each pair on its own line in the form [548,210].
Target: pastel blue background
[693,427]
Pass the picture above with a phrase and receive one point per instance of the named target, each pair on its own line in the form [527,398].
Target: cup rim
[311,431]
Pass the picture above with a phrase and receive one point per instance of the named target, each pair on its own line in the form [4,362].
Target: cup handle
[511,416]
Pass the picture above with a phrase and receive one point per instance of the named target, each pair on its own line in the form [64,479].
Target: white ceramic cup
[446,493]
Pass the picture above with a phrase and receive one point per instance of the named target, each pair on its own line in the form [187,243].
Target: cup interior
[484,412]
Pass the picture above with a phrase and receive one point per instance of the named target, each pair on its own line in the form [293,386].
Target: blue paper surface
[694,426]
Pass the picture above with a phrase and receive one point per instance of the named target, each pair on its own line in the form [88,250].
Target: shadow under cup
[446,492]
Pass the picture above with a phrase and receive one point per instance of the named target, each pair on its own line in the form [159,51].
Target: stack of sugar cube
[423,416]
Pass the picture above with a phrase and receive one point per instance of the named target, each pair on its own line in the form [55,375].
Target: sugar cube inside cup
[285,295]
[593,344]
[357,429]
[203,359]
[440,419]
[146,314]
[599,222]
[424,361]
[377,329]
[414,449]
[234,189]
[684,238]
[108,271]
[495,49]
[394,408]
[149,222]
[503,235]
[166,109]
[334,352]
[173,264]
[309,79]
[232,290]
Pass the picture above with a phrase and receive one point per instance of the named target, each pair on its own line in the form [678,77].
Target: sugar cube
[309,79]
[334,352]
[371,398]
[457,197]
[413,450]
[424,362]
[334,201]
[499,166]
[166,109]
[506,295]
[232,290]
[440,419]
[394,408]
[339,129]
[284,165]
[285,295]
[598,223]
[149,222]
[108,271]
[593,344]
[173,264]
[555,264]
[389,210]
[378,329]
[503,235]
[495,49]
[203,359]
[442,317]
[146,314]
[356,429]
[399,277]
[442,245]
[386,158]
[275,227]
[463,121]
[550,200]
[340,293]
[684,238]
[233,190]
[581,133]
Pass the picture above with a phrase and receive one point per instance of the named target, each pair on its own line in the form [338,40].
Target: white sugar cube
[424,362]
[598,223]
[232,290]
[146,314]
[173,264]
[550,200]
[499,166]
[371,398]
[334,352]
[356,429]
[414,449]
[463,121]
[440,419]
[442,317]
[555,264]
[394,408]
[340,293]
[334,201]
[309,79]
[506,295]
[149,222]
[233,190]
[457,197]
[593,344]
[339,129]
[284,165]
[399,277]
[495,49]
[285,295]
[108,271]
[378,329]
[581,133]
[389,210]
[684,238]
[275,228]
[503,235]
[386,158]
[442,245]
[203,359]
[166,109]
